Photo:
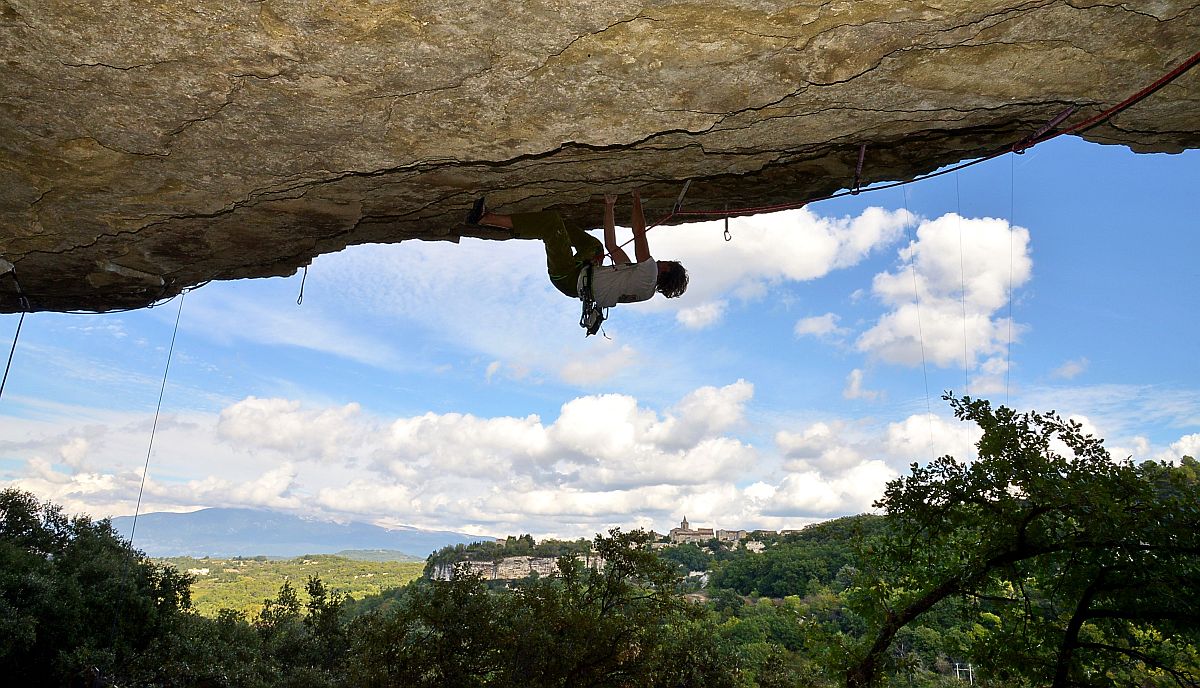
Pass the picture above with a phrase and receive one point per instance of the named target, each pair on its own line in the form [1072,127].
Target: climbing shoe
[477,212]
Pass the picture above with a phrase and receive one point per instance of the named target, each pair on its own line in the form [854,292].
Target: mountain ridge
[233,532]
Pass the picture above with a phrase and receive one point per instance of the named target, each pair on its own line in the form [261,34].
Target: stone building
[685,533]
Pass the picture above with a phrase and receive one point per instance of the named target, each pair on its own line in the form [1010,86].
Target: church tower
[684,524]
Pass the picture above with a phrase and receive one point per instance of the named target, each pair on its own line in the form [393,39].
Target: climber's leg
[561,263]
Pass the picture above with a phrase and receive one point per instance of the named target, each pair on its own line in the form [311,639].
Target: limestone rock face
[146,147]
[513,568]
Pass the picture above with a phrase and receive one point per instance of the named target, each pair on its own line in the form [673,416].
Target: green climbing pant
[563,264]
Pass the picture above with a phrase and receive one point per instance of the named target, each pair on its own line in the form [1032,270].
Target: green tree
[438,633]
[1087,567]
[76,602]
[598,627]
[689,556]
[799,564]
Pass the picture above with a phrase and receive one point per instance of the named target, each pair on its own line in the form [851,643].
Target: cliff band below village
[149,147]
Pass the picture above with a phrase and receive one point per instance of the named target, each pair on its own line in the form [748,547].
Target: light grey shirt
[628,283]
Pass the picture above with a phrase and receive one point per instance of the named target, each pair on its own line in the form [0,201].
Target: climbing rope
[962,293]
[145,470]
[154,426]
[912,266]
[1012,194]
[11,351]
[958,218]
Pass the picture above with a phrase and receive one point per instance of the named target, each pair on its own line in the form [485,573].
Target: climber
[622,282]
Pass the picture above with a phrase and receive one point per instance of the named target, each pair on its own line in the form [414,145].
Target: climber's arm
[641,248]
[610,232]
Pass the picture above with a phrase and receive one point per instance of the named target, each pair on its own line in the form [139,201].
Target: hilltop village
[516,558]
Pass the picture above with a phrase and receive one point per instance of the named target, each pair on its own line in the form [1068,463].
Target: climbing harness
[593,316]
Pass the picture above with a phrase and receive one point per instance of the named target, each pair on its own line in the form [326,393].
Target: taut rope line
[11,351]
[154,426]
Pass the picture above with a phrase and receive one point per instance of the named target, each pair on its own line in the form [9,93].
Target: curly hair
[673,281]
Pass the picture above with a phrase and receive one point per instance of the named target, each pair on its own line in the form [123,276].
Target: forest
[1043,562]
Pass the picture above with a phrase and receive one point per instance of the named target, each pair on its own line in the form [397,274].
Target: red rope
[1086,124]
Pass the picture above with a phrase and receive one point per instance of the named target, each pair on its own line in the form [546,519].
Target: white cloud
[819,326]
[112,327]
[1071,369]
[1188,445]
[605,459]
[854,387]
[492,369]
[795,245]
[922,437]
[699,317]
[592,368]
[822,446]
[74,452]
[461,445]
[225,316]
[283,426]
[961,289]
[813,493]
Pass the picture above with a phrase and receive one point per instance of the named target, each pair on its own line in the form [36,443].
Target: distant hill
[255,532]
[379,555]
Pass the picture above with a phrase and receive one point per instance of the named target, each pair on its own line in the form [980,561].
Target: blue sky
[448,386]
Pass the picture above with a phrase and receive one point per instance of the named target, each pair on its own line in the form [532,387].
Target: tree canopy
[1087,565]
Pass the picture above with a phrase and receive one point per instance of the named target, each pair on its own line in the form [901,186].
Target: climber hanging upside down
[622,282]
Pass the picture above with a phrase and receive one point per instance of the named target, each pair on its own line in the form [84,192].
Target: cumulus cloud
[1188,445]
[74,452]
[819,326]
[699,317]
[838,466]
[795,245]
[602,460]
[965,270]
[605,459]
[812,493]
[284,426]
[821,446]
[461,445]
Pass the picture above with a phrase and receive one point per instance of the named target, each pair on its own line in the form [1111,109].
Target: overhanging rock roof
[146,148]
